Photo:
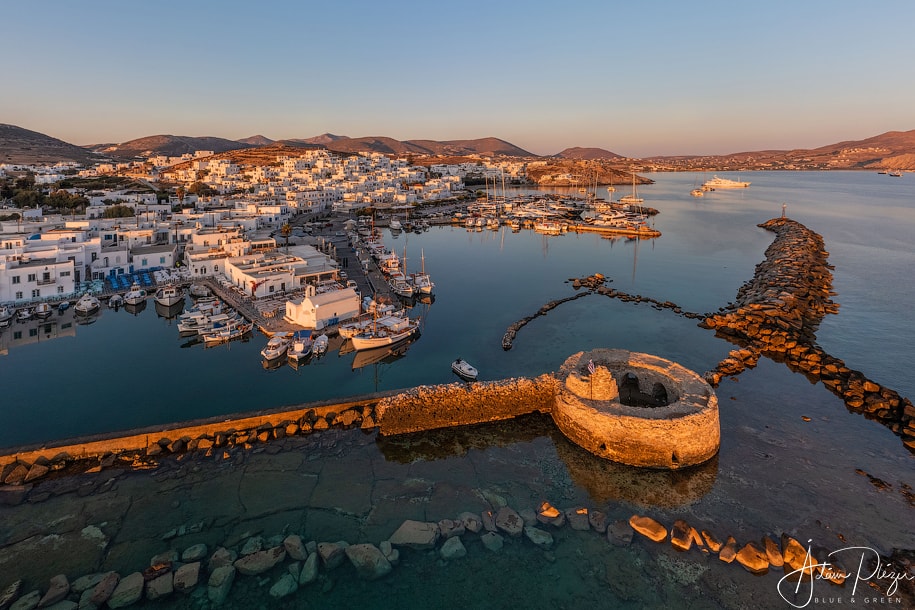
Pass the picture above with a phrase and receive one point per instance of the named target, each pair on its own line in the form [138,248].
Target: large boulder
[194,553]
[369,561]
[648,527]
[286,585]
[220,583]
[492,541]
[260,562]
[332,553]
[416,535]
[453,549]
[509,521]
[309,570]
[57,590]
[160,587]
[187,577]
[105,587]
[295,548]
[539,537]
[128,592]
[753,558]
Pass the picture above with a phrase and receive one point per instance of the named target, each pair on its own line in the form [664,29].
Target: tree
[286,231]
[118,211]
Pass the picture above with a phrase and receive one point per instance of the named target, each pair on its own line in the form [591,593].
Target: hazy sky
[637,78]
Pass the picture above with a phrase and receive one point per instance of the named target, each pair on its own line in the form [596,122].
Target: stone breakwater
[776,314]
[289,567]
[457,404]
[595,284]
[22,467]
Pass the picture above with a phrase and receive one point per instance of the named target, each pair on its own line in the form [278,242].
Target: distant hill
[390,146]
[257,140]
[891,150]
[22,146]
[172,146]
[587,154]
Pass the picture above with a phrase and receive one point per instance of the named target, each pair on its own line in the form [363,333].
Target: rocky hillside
[172,146]
[22,146]
[257,140]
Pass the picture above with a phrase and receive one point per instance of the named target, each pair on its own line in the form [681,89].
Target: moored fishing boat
[43,310]
[388,333]
[86,305]
[319,347]
[169,295]
[6,315]
[300,348]
[135,295]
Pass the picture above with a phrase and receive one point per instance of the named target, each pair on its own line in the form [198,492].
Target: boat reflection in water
[381,355]
[135,308]
[534,436]
[169,312]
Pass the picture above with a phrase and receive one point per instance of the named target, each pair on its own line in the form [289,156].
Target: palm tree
[286,231]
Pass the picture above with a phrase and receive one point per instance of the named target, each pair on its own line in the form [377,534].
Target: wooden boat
[464,369]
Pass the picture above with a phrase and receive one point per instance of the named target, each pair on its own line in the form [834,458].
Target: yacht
[724,183]
[169,295]
[135,295]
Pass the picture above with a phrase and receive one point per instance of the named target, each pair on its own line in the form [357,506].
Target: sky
[639,78]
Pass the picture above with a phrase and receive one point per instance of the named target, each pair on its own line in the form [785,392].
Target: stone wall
[458,404]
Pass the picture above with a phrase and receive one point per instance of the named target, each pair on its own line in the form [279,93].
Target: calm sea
[134,370]
[791,456]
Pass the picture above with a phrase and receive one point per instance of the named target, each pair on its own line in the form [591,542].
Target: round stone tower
[637,409]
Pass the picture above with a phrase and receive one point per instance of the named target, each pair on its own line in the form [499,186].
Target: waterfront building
[320,310]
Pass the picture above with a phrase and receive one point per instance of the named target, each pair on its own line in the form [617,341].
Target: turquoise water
[791,455]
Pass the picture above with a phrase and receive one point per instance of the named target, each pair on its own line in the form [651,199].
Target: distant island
[894,150]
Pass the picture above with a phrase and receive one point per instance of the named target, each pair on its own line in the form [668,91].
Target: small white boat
[381,334]
[6,314]
[277,346]
[43,310]
[169,295]
[227,334]
[24,314]
[464,369]
[86,305]
[115,301]
[135,295]
[300,348]
[319,347]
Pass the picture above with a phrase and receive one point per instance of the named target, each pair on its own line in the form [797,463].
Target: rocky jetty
[509,336]
[286,566]
[776,314]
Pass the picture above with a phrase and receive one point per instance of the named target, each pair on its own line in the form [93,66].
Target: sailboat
[634,197]
[422,283]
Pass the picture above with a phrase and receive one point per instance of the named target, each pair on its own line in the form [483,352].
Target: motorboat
[319,347]
[24,314]
[86,305]
[169,295]
[43,310]
[6,315]
[135,295]
[277,346]
[63,306]
[300,348]
[464,369]
[116,301]
[724,183]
